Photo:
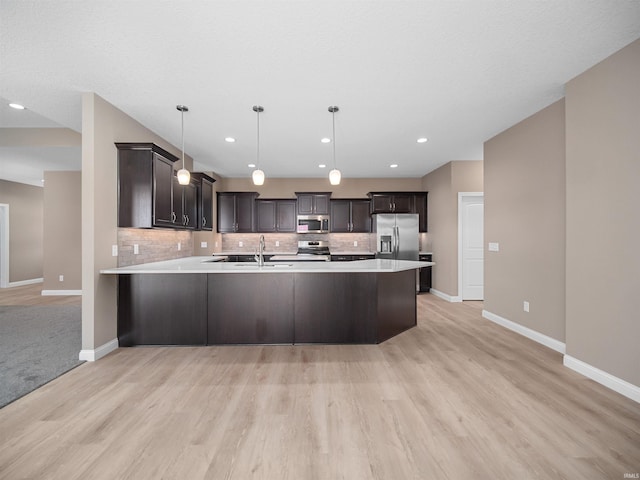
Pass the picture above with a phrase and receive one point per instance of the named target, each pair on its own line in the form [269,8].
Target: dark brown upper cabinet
[185,204]
[350,216]
[313,203]
[145,186]
[275,216]
[401,202]
[204,200]
[385,202]
[236,212]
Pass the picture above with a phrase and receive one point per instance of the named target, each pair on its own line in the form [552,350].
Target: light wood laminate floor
[455,398]
[32,295]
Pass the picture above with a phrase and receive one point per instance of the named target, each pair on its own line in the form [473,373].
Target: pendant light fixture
[183,174]
[334,175]
[258,175]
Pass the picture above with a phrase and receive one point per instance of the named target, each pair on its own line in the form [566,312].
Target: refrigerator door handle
[396,241]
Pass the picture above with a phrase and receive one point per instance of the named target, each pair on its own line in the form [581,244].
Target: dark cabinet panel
[162,309]
[425,273]
[420,207]
[204,200]
[163,211]
[275,216]
[350,216]
[145,186]
[401,202]
[391,203]
[242,308]
[360,217]
[236,212]
[266,216]
[344,319]
[310,203]
[340,216]
[185,204]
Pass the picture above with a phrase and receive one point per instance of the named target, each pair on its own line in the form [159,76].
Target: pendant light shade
[258,175]
[183,174]
[334,175]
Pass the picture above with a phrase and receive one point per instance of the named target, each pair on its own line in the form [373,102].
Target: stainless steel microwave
[313,224]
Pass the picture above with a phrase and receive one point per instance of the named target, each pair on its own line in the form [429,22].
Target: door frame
[461,197]
[4,245]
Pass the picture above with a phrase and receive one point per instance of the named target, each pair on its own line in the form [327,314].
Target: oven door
[313,224]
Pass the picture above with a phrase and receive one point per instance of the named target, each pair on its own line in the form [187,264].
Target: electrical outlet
[215,244]
[277,243]
[61,278]
[203,244]
[136,249]
[114,250]
[355,243]
[240,244]
[525,306]
[494,247]
[179,246]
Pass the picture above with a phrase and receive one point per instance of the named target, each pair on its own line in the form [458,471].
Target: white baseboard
[26,282]
[98,353]
[444,296]
[616,384]
[552,343]
[61,292]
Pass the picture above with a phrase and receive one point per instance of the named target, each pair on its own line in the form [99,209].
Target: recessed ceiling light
[17,106]
[252,165]
[393,165]
[422,140]
[322,165]
[229,139]
[326,140]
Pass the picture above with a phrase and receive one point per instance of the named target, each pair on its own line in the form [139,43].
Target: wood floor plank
[456,397]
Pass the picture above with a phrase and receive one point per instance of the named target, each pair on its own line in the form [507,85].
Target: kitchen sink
[267,265]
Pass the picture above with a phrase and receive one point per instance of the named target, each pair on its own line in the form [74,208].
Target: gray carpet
[37,344]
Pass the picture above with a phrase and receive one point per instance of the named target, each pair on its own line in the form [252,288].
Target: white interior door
[4,245]
[472,223]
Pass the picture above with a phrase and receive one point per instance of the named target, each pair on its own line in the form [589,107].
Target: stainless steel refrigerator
[396,235]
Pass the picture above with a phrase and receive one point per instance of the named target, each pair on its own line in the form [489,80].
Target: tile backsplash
[288,242]
[154,245]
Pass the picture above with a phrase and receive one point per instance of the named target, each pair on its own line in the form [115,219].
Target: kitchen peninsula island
[201,301]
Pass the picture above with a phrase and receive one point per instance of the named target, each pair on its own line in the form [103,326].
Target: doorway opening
[4,245]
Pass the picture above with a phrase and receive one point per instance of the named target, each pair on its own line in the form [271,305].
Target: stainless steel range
[313,250]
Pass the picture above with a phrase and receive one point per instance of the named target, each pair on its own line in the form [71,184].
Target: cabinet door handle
[173,217]
[187,219]
[204,222]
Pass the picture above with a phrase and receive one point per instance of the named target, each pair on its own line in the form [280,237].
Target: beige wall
[102,125]
[25,229]
[524,178]
[348,188]
[443,185]
[603,224]
[62,231]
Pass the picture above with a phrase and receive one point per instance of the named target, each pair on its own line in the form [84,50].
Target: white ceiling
[455,72]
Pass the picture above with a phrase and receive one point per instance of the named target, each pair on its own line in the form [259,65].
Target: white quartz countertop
[213,265]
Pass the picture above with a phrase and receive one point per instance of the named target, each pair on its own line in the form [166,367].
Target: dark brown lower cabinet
[162,309]
[250,308]
[264,308]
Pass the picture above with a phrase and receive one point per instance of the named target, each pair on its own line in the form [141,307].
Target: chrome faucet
[259,256]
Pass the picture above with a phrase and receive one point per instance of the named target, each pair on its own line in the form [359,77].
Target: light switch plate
[136,249]
[525,306]
[494,247]
[355,243]
[240,244]
[61,278]
[277,243]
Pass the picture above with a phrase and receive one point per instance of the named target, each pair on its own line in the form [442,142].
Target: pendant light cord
[258,139]
[333,118]
[182,112]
